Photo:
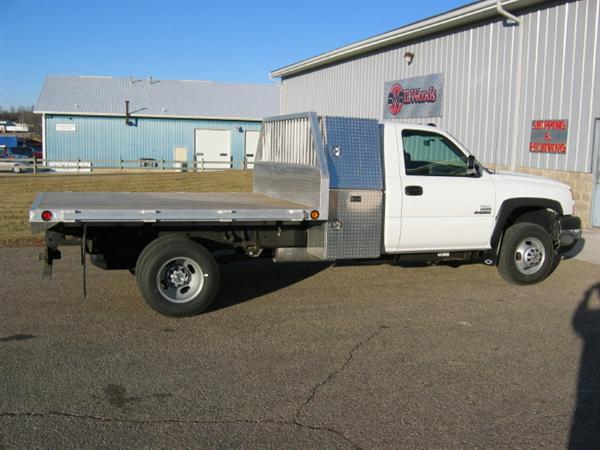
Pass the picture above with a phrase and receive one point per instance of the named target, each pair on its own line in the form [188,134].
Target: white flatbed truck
[324,189]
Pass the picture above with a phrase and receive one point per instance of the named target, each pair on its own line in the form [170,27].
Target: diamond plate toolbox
[355,224]
[353,150]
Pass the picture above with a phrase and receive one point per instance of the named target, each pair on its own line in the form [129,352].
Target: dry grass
[19,191]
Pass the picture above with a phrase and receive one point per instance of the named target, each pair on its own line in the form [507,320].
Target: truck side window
[427,153]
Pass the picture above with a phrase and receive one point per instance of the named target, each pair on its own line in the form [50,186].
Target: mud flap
[48,256]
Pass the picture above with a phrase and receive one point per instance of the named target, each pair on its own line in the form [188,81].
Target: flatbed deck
[107,207]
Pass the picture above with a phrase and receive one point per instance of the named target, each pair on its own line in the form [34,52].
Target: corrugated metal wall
[108,138]
[484,107]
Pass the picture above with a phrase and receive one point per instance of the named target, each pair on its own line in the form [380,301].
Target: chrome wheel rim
[529,256]
[180,280]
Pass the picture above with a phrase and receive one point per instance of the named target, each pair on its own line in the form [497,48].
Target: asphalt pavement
[301,356]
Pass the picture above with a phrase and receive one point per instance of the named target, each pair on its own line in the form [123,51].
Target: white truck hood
[514,185]
[523,177]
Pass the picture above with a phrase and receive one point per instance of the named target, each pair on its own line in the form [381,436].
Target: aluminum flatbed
[165,207]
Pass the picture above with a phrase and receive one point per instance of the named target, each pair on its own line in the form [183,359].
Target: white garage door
[251,145]
[214,147]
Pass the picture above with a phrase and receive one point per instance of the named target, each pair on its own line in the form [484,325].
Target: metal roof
[473,12]
[157,98]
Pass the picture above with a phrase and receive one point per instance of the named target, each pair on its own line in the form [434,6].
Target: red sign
[549,136]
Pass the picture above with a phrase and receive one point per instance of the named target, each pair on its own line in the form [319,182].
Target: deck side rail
[290,161]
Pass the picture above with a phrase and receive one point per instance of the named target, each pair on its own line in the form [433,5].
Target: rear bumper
[570,230]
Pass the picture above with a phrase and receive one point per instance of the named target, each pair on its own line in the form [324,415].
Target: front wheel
[177,276]
[526,255]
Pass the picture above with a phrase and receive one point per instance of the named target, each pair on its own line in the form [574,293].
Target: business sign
[417,97]
[548,136]
[66,127]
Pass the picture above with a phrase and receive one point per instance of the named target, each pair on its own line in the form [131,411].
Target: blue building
[111,119]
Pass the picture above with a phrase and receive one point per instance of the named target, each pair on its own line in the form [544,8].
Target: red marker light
[47,216]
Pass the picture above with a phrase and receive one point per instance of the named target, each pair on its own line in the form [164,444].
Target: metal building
[517,81]
[113,119]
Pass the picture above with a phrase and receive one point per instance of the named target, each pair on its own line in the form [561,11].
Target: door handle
[413,190]
[222,154]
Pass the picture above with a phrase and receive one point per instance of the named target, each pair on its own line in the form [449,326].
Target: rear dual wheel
[177,276]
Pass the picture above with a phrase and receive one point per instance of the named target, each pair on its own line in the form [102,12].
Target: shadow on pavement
[585,426]
[244,281]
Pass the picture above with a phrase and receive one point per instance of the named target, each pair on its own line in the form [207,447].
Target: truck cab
[438,197]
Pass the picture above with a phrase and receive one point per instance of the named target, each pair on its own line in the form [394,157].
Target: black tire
[527,255]
[176,276]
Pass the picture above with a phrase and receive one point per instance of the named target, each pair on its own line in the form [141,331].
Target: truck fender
[508,207]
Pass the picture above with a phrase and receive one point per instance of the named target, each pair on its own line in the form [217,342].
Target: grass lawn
[19,191]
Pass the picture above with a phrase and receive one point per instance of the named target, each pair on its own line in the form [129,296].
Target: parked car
[37,150]
[10,158]
[14,141]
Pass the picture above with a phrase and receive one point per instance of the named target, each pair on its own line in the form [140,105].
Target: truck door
[596,192]
[443,206]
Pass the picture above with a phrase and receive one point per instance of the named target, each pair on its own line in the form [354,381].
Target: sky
[226,41]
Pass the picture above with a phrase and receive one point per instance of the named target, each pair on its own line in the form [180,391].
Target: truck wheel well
[540,211]
[542,217]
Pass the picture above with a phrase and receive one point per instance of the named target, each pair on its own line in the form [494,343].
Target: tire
[527,255]
[176,276]
[16,169]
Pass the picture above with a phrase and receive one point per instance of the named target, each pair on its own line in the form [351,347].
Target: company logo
[395,99]
[398,97]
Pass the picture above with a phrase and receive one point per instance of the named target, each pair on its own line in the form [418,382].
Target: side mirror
[470,162]
[472,166]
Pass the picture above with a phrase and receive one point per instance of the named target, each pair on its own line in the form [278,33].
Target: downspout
[517,115]
[506,14]
[126,112]
[44,139]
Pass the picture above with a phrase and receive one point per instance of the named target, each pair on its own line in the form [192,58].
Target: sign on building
[66,127]
[417,97]
[548,136]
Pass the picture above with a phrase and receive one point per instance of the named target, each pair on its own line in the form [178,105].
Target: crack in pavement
[336,372]
[330,378]
[176,421]
[295,422]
